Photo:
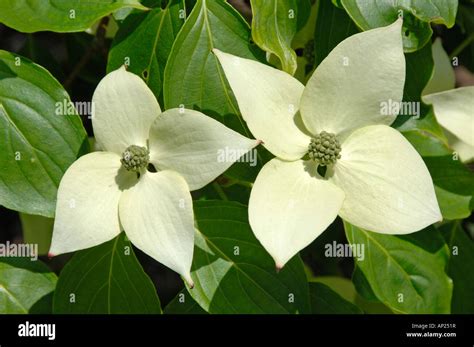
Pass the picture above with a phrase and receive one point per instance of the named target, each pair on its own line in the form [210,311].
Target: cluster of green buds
[324,148]
[135,158]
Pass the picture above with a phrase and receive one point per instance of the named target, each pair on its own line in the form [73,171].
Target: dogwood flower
[453,108]
[141,182]
[375,179]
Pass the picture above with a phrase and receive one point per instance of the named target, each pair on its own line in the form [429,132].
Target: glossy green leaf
[105,279]
[362,285]
[426,144]
[369,14]
[193,76]
[449,173]
[58,15]
[274,25]
[26,286]
[233,273]
[144,42]
[332,26]
[41,136]
[326,301]
[366,298]
[436,11]
[460,267]
[183,303]
[405,273]
[453,206]
[454,184]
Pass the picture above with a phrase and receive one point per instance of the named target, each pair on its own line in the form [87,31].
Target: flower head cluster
[373,177]
[105,192]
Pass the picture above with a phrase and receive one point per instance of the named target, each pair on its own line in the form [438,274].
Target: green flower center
[135,158]
[324,149]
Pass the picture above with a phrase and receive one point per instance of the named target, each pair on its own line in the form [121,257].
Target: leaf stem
[219,191]
[240,183]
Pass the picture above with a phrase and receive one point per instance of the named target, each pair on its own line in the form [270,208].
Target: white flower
[379,182]
[103,193]
[453,108]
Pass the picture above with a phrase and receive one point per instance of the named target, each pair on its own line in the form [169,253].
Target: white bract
[453,108]
[378,181]
[103,193]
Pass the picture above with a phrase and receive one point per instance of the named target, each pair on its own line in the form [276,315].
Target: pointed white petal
[88,199]
[268,100]
[454,110]
[360,76]
[157,216]
[195,145]
[123,110]
[387,185]
[290,205]
[443,73]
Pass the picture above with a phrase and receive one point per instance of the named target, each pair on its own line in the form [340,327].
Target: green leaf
[449,173]
[435,11]
[366,298]
[460,267]
[274,25]
[326,301]
[363,286]
[58,15]
[333,25]
[26,286]
[40,137]
[232,272]
[369,14]
[426,144]
[406,273]
[105,279]
[144,42]
[453,206]
[37,230]
[454,183]
[193,76]
[341,285]
[183,303]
